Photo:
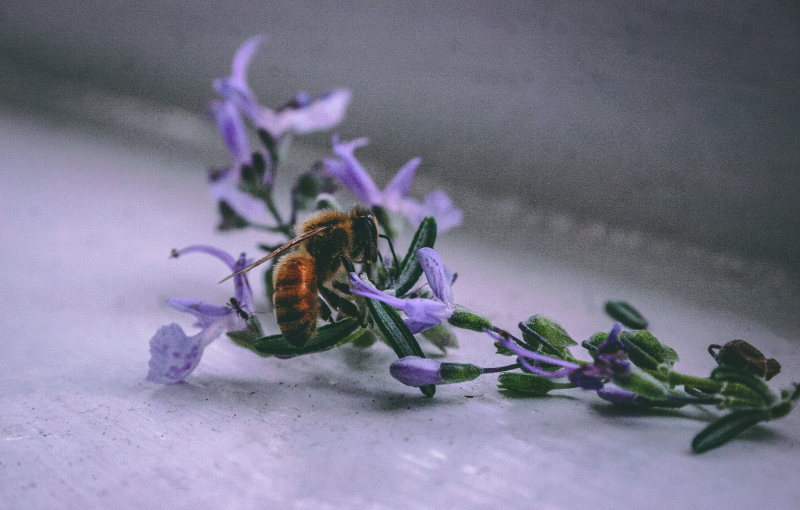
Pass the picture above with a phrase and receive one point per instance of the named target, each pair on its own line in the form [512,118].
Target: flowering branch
[344,290]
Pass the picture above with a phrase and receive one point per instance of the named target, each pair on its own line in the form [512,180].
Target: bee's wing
[291,244]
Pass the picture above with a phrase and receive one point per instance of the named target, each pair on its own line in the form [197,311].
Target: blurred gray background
[675,119]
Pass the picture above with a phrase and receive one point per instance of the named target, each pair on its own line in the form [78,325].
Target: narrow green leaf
[626,314]
[326,338]
[726,428]
[545,334]
[410,268]
[398,336]
[646,351]
[748,379]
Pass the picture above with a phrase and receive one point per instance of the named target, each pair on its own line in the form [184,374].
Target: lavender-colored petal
[416,371]
[208,250]
[244,293]
[612,343]
[360,287]
[320,115]
[400,184]
[617,395]
[419,326]
[206,313]
[225,188]
[584,377]
[531,355]
[231,129]
[535,369]
[351,173]
[173,355]
[436,274]
[234,88]
[436,204]
[431,311]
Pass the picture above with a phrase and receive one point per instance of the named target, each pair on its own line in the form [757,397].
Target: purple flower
[610,362]
[416,371]
[347,169]
[423,313]
[301,115]
[225,184]
[173,354]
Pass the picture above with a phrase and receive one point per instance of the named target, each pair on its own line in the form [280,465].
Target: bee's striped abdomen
[296,305]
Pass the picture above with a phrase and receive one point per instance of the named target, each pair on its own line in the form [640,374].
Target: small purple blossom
[173,354]
[225,183]
[347,169]
[610,362]
[301,115]
[423,313]
[417,371]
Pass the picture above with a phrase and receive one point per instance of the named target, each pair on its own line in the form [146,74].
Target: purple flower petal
[206,313]
[351,173]
[436,274]
[234,88]
[231,129]
[398,187]
[436,204]
[360,287]
[319,115]
[416,371]
[617,395]
[173,355]
[225,188]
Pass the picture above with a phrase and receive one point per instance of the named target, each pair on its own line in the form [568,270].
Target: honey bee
[312,265]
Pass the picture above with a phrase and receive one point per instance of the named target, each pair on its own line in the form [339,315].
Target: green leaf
[441,336]
[726,428]
[646,351]
[626,314]
[464,319]
[326,338]
[748,379]
[593,342]
[410,268]
[365,338]
[397,335]
[527,385]
[539,327]
[229,220]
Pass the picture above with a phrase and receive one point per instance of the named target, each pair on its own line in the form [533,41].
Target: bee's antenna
[294,242]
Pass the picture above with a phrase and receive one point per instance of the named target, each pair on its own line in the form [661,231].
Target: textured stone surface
[88,221]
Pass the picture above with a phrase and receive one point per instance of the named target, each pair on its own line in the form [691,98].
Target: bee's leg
[325,312]
[338,302]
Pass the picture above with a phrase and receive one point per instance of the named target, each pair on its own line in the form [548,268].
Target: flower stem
[504,368]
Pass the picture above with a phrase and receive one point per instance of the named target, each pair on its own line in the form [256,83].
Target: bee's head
[365,235]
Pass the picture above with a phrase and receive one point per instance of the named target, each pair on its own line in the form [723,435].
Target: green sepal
[549,330]
[459,372]
[464,319]
[250,334]
[327,337]
[503,350]
[515,384]
[410,268]
[646,351]
[626,314]
[643,384]
[365,338]
[726,428]
[397,335]
[748,379]
[229,220]
[441,336]
[593,342]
